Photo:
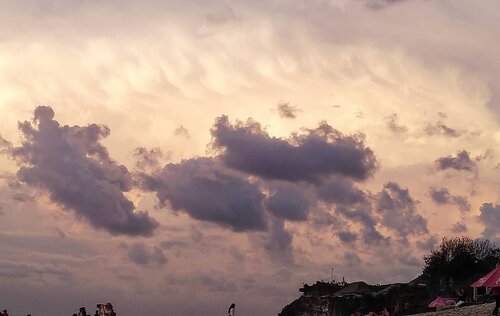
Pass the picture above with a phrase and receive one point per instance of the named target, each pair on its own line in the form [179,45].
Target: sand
[475,310]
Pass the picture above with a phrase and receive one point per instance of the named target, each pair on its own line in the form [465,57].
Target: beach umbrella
[492,279]
[440,302]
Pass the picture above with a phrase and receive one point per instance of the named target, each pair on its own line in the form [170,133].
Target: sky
[173,157]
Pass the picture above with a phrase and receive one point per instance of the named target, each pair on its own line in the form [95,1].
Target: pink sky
[191,154]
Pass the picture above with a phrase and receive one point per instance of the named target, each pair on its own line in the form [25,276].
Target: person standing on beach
[230,311]
[496,294]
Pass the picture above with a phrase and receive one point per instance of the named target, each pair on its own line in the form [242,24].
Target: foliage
[461,259]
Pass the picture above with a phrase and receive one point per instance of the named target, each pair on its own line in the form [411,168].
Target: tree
[460,259]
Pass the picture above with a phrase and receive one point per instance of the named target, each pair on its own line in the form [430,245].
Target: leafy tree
[461,259]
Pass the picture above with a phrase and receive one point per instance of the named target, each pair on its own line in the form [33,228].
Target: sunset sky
[173,157]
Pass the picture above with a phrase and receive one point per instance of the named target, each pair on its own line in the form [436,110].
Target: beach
[474,310]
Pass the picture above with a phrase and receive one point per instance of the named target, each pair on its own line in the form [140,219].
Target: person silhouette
[230,311]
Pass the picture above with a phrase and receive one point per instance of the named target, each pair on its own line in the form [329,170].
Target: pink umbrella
[441,301]
[492,279]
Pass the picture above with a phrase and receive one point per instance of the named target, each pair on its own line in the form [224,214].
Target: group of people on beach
[101,310]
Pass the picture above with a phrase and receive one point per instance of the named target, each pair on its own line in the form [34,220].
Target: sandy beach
[475,310]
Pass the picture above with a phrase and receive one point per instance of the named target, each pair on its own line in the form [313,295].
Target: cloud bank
[71,164]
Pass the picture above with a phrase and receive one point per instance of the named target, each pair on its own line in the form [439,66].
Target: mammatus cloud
[443,196]
[462,161]
[287,111]
[71,164]
[399,211]
[142,255]
[490,217]
[309,156]
[207,191]
[392,123]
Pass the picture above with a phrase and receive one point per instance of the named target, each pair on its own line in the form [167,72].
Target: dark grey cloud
[459,228]
[143,255]
[399,211]
[392,123]
[71,164]
[207,191]
[440,195]
[340,190]
[148,159]
[490,217]
[380,4]
[22,197]
[427,244]
[362,214]
[347,236]
[289,201]
[443,196]
[462,161]
[287,111]
[278,243]
[439,128]
[462,203]
[309,156]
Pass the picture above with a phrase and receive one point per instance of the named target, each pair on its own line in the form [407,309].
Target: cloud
[278,243]
[289,201]
[380,4]
[24,270]
[72,165]
[443,196]
[393,124]
[462,161]
[347,236]
[427,244]
[285,110]
[4,145]
[399,211]
[148,159]
[459,228]
[209,192]
[340,190]
[182,131]
[440,196]
[142,255]
[490,217]
[306,157]
[363,215]
[440,129]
